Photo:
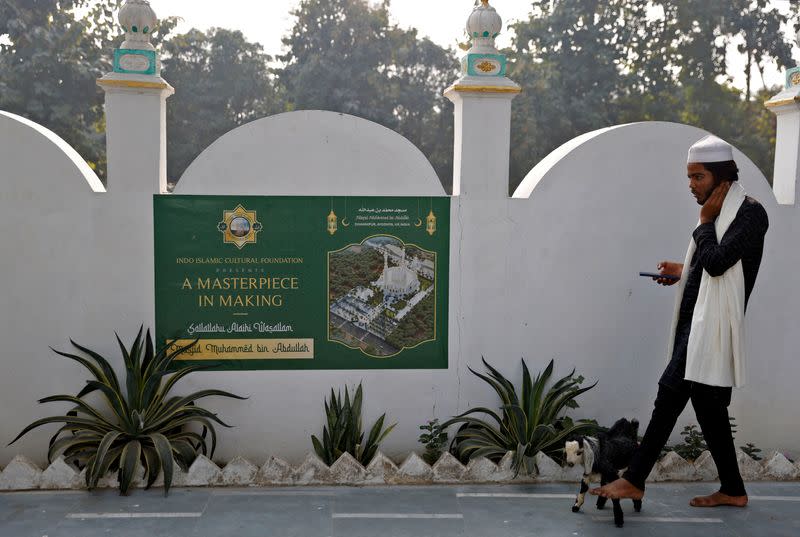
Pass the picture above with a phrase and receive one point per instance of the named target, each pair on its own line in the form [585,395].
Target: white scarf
[715,355]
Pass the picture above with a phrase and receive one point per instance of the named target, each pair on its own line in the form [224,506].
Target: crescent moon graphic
[345,223]
[419,222]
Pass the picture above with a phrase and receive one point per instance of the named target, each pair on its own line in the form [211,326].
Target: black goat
[606,455]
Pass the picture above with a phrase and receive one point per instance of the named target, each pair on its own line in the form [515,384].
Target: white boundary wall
[553,276]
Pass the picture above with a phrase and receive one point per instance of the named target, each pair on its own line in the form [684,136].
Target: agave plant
[527,424]
[343,432]
[143,425]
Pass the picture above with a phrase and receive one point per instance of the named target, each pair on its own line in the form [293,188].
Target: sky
[441,20]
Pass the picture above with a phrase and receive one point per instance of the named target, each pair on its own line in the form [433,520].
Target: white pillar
[478,220]
[136,132]
[136,110]
[482,141]
[136,146]
[482,99]
[787,147]
[786,106]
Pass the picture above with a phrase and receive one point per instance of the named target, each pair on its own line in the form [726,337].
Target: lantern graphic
[332,227]
[431,220]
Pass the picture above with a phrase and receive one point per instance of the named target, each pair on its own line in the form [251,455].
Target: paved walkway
[479,511]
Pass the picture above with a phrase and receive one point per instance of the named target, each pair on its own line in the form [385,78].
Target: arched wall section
[564,284]
[314,153]
[46,203]
[311,152]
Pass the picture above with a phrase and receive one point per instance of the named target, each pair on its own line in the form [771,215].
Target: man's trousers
[711,407]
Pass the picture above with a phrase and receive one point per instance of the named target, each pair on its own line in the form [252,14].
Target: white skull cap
[710,149]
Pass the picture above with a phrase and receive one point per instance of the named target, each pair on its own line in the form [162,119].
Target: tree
[49,71]
[418,74]
[569,56]
[587,64]
[224,81]
[704,31]
[583,64]
[50,66]
[763,39]
[345,56]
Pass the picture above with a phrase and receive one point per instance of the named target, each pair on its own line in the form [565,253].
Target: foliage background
[583,64]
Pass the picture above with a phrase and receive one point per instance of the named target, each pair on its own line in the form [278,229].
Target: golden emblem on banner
[239,226]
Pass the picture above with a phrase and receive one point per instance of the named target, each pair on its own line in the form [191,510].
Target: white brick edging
[23,474]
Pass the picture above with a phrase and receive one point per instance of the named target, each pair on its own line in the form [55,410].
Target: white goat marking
[585,456]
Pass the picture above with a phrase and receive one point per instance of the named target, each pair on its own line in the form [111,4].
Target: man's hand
[669,268]
[713,205]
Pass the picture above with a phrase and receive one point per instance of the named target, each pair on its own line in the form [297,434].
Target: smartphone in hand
[657,275]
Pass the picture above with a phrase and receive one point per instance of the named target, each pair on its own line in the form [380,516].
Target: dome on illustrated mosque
[484,22]
[399,276]
[138,20]
[398,280]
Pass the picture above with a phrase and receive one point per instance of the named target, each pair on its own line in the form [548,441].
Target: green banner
[303,282]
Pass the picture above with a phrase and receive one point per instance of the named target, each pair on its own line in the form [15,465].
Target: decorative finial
[483,67]
[138,20]
[483,26]
[137,55]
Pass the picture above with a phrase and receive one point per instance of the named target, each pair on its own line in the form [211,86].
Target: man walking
[707,340]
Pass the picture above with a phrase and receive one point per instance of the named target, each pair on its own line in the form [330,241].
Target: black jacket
[743,240]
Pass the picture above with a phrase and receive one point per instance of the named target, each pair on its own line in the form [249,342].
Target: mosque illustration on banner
[382,296]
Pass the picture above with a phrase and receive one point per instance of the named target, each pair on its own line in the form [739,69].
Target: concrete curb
[22,474]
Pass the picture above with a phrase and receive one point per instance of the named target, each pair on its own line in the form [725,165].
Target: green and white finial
[483,67]
[138,20]
[483,26]
[483,59]
[137,55]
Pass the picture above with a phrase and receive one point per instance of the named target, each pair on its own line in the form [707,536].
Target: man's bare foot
[617,490]
[717,499]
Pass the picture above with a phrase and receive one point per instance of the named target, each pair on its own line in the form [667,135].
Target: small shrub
[528,423]
[434,439]
[146,426]
[694,443]
[751,450]
[343,431]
